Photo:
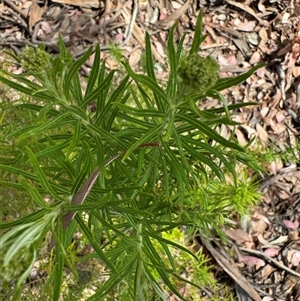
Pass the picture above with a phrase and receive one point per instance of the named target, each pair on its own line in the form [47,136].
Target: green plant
[286,154]
[123,175]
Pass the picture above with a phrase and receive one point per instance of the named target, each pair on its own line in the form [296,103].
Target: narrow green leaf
[78,112]
[107,110]
[22,78]
[152,254]
[153,133]
[166,279]
[76,89]
[80,178]
[176,168]
[210,132]
[172,82]
[94,72]
[114,280]
[140,112]
[37,108]
[148,81]
[56,122]
[35,195]
[209,149]
[206,159]
[179,49]
[48,150]
[23,238]
[95,244]
[41,176]
[75,139]
[198,37]
[15,57]
[135,121]
[169,242]
[64,52]
[103,94]
[149,58]
[31,218]
[107,287]
[98,131]
[182,153]
[15,86]
[227,82]
[19,172]
[67,80]
[18,289]
[88,98]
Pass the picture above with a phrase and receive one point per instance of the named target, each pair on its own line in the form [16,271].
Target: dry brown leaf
[262,134]
[278,164]
[296,71]
[229,60]
[295,260]
[261,72]
[176,4]
[263,34]
[291,225]
[80,3]
[266,271]
[280,128]
[241,137]
[112,63]
[289,254]
[250,131]
[159,48]
[280,240]
[259,226]
[238,235]
[275,166]
[247,27]
[280,116]
[271,252]
[267,199]
[35,14]
[135,57]
[253,261]
[255,58]
[264,111]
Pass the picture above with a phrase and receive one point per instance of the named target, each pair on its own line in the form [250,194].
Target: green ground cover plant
[147,161]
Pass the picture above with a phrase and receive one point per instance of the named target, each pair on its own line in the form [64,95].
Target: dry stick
[107,8]
[271,260]
[14,7]
[247,9]
[132,21]
[231,270]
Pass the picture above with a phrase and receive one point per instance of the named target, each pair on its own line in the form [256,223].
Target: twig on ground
[271,260]
[132,21]
[15,8]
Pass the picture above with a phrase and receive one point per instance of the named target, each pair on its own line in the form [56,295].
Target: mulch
[266,247]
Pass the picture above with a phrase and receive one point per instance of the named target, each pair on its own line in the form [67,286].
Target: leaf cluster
[125,171]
